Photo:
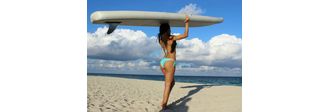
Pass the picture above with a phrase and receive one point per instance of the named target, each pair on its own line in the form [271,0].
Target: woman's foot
[164,109]
[163,105]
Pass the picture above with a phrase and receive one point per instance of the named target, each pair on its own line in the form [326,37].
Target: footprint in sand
[101,105]
[123,106]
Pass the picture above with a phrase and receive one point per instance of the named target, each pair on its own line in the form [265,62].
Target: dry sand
[110,94]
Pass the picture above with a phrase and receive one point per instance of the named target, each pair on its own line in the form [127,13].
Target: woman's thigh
[169,70]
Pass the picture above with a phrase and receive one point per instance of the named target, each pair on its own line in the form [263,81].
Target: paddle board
[147,18]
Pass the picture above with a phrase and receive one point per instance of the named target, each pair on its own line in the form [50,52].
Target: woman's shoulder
[171,37]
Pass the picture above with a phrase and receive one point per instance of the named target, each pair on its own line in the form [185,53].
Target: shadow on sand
[180,105]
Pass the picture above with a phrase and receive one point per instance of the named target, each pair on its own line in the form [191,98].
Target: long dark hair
[165,31]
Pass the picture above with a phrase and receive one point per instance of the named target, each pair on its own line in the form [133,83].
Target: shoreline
[106,74]
[220,81]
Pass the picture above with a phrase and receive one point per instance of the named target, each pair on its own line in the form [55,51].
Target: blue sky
[210,50]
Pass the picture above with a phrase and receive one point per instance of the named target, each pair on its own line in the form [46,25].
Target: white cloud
[122,44]
[218,51]
[132,51]
[120,65]
[191,9]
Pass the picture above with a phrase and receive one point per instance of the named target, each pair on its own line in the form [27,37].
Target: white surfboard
[146,18]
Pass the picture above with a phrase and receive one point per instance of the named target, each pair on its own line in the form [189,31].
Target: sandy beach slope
[110,94]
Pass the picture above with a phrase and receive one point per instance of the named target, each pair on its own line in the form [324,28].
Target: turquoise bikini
[164,60]
[162,64]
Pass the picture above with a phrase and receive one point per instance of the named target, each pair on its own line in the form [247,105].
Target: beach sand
[111,94]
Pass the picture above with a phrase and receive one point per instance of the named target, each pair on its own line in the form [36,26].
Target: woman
[167,64]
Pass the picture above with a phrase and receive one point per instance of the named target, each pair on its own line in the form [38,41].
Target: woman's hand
[187,19]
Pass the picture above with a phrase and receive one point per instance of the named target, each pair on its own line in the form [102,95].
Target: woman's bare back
[167,48]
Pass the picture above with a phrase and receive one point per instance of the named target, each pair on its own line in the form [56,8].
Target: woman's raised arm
[186,31]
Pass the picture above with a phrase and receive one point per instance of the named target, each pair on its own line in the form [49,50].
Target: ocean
[211,80]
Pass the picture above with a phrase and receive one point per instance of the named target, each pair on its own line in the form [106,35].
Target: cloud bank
[122,44]
[152,68]
[191,9]
[221,50]
[132,51]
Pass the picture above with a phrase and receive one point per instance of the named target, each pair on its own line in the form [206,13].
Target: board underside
[144,18]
